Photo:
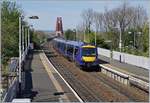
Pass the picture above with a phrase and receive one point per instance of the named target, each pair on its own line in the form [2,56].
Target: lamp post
[95,38]
[20,53]
[96,32]
[77,36]
[149,45]
[84,36]
[26,38]
[74,46]
[133,38]
[138,33]
[149,48]
[23,41]
[74,31]
[31,17]
[28,30]
[111,51]
[21,27]
[120,41]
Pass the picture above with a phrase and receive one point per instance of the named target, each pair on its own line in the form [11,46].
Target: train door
[75,52]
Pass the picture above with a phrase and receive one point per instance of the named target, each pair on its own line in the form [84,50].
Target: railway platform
[138,72]
[42,83]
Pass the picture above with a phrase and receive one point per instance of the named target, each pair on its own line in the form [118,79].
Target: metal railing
[10,80]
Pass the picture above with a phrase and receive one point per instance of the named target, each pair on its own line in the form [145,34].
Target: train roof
[69,42]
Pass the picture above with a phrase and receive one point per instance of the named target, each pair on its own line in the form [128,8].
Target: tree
[124,19]
[70,34]
[98,20]
[38,37]
[10,13]
[145,38]
[100,41]
[87,16]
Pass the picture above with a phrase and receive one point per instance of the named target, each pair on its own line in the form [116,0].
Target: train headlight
[88,59]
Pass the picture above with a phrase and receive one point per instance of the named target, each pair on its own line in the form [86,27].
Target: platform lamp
[111,50]
[120,40]
[31,17]
[20,49]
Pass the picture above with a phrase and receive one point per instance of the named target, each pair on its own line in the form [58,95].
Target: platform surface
[39,86]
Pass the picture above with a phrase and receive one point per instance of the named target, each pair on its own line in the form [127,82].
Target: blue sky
[69,10]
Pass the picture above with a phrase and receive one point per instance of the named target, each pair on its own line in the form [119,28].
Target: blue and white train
[84,55]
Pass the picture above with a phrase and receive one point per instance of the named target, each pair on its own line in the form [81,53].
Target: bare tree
[81,27]
[140,17]
[87,16]
[98,20]
[124,17]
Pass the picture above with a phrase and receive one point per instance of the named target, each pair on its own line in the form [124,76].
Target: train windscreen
[88,51]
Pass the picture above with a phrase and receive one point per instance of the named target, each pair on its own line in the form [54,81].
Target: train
[83,54]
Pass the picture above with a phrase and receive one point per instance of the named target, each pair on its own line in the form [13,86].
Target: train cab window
[88,51]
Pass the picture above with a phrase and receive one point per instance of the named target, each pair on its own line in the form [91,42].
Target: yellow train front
[88,56]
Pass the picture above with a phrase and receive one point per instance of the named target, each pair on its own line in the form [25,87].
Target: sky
[69,10]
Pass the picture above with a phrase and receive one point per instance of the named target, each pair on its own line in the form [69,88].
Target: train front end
[89,56]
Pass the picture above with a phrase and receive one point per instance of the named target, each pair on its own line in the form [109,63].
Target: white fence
[104,52]
[139,61]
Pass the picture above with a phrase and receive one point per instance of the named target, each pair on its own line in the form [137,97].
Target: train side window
[76,51]
[64,46]
[70,50]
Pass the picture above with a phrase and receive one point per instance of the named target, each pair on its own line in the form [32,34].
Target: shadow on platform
[27,92]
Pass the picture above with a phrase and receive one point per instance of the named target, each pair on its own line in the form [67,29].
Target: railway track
[87,95]
[131,92]
[92,86]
